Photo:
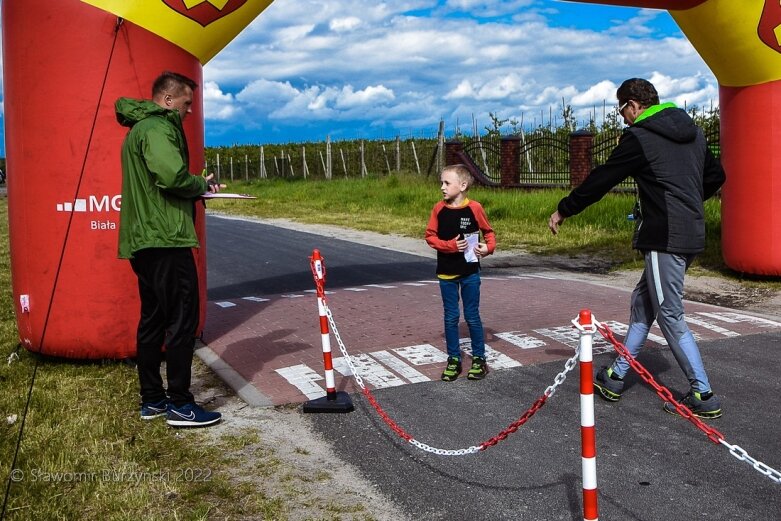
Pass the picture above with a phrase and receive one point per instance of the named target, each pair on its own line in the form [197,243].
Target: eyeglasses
[622,107]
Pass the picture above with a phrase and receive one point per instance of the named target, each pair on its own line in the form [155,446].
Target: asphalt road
[247,257]
[651,466]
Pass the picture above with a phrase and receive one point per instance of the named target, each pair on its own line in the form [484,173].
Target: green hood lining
[654,109]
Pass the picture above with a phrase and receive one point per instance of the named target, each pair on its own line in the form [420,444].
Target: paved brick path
[268,347]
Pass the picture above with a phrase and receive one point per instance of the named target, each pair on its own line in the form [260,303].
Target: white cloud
[348,98]
[356,63]
[462,90]
[604,90]
[345,24]
[217,104]
[488,8]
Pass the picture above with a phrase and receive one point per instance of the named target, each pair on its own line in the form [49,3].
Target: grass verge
[85,454]
[400,204]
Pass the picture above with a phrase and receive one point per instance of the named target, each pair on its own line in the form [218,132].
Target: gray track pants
[658,296]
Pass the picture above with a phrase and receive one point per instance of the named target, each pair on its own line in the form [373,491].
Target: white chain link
[568,366]
[342,347]
[445,452]
[760,467]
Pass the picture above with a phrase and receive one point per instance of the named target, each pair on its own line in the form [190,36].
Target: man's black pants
[168,287]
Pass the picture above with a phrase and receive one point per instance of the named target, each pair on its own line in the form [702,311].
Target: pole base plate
[341,402]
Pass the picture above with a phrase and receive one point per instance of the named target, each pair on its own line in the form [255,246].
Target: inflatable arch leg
[65,63]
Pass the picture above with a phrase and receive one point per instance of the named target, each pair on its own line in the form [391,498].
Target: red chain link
[661,391]
[392,424]
[486,444]
[516,424]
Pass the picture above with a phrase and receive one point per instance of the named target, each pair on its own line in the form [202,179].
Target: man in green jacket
[157,234]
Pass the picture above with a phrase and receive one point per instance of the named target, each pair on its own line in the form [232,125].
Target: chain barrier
[549,391]
[760,467]
[661,391]
[665,394]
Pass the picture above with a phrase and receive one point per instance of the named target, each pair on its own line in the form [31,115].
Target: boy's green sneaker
[478,370]
[452,370]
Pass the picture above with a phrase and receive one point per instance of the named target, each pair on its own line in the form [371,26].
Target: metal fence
[486,153]
[323,160]
[544,160]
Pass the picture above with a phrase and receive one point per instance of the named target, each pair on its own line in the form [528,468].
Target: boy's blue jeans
[469,289]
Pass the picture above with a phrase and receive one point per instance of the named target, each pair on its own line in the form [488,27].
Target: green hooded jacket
[158,191]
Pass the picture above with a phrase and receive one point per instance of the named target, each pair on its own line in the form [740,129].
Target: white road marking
[225,304]
[369,369]
[406,371]
[495,359]
[422,354]
[718,316]
[709,325]
[757,321]
[303,378]
[520,339]
[570,337]
[255,299]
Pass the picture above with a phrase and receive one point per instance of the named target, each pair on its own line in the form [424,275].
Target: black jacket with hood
[666,154]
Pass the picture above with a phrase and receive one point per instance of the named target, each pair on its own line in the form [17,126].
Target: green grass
[400,204]
[86,455]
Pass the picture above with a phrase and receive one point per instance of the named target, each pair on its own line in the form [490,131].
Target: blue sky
[307,69]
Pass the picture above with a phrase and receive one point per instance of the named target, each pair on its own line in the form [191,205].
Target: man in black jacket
[666,154]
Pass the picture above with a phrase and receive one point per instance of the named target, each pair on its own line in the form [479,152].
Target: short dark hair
[638,89]
[172,83]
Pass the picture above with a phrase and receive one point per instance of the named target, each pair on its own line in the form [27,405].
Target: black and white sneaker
[150,411]
[191,415]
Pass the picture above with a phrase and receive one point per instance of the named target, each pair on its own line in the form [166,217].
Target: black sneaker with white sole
[191,415]
[150,411]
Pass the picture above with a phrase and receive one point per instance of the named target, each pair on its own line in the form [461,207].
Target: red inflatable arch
[741,43]
[65,63]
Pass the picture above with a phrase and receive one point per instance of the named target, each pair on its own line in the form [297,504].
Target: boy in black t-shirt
[453,230]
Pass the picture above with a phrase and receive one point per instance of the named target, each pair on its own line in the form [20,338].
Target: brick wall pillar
[580,143]
[452,148]
[510,158]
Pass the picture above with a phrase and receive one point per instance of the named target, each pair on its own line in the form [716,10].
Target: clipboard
[224,195]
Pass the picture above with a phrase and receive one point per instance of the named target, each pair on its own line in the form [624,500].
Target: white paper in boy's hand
[471,244]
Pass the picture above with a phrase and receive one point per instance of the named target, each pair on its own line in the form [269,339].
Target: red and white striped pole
[587,434]
[325,337]
[333,401]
